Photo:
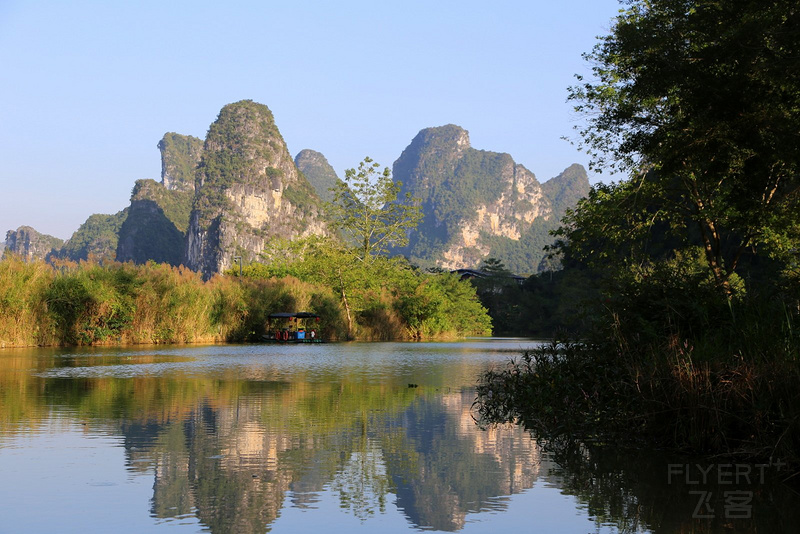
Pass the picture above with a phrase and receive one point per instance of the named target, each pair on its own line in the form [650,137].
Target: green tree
[366,210]
[500,293]
[700,99]
[494,267]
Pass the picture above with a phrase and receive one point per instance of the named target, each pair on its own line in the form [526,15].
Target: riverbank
[675,399]
[92,303]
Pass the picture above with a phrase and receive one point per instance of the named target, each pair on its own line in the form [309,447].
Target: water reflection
[231,451]
[232,437]
[234,464]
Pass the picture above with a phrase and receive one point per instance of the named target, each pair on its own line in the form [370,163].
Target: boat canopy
[289,315]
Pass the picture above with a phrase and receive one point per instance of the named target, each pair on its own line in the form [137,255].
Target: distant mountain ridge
[479,204]
[318,172]
[228,195]
[26,242]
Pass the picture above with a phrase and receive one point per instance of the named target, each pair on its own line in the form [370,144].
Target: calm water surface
[372,437]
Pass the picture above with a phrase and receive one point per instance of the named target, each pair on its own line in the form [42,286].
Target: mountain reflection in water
[234,463]
[244,438]
[234,441]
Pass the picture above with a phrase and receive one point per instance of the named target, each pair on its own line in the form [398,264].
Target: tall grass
[729,390]
[90,303]
[23,313]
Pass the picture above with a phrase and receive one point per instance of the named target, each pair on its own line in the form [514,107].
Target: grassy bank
[731,390]
[90,303]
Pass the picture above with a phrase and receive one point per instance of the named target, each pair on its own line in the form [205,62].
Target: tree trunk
[346,305]
[711,244]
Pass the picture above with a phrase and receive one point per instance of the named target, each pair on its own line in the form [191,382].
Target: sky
[87,89]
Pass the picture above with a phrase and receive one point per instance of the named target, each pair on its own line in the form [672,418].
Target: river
[370,437]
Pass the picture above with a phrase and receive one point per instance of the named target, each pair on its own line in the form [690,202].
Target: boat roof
[288,315]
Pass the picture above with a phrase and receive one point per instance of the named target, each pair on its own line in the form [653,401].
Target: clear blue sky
[87,89]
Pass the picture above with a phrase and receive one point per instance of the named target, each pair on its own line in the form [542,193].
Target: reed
[93,303]
[23,314]
[731,390]
[90,303]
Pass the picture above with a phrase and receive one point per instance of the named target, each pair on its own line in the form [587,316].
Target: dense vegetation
[383,298]
[544,305]
[238,144]
[89,303]
[690,293]
[97,236]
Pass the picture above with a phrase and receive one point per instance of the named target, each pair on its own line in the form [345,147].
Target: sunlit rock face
[248,191]
[29,244]
[479,204]
[180,156]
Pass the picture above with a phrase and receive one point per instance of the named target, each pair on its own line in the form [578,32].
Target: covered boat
[293,327]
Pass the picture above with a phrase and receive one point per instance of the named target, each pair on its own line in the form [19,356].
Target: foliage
[365,208]
[97,236]
[89,303]
[499,292]
[23,314]
[696,398]
[702,100]
[557,389]
[383,298]
[443,303]
[691,261]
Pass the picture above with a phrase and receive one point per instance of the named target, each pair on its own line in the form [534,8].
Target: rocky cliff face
[318,172]
[248,191]
[180,155]
[97,236]
[155,228]
[479,204]
[30,244]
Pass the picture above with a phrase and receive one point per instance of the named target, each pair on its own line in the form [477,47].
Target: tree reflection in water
[234,465]
[653,491]
[234,452]
[235,448]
